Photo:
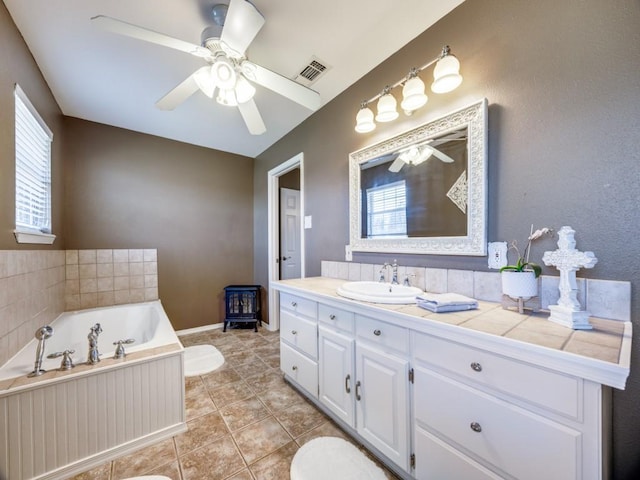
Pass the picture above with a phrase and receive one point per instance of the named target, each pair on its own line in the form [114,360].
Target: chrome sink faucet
[383,271]
[94,356]
[394,270]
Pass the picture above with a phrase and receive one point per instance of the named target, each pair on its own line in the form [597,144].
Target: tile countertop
[601,355]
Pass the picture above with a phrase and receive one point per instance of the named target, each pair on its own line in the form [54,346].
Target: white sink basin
[377,292]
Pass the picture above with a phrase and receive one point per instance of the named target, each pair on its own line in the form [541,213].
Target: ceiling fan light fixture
[364,120]
[203,79]
[227,97]
[413,96]
[223,73]
[387,107]
[244,90]
[446,74]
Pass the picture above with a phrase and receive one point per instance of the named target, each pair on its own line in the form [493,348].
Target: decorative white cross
[567,259]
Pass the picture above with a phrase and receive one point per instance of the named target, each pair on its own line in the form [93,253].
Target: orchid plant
[523,263]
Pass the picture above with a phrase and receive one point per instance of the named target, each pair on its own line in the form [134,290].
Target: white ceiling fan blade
[442,156]
[129,30]
[397,165]
[287,88]
[241,25]
[252,117]
[179,94]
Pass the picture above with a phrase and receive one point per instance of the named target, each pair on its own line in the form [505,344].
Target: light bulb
[387,108]
[244,90]
[364,120]
[413,96]
[204,80]
[223,73]
[446,75]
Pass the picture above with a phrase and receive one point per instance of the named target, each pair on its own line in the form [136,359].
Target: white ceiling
[116,80]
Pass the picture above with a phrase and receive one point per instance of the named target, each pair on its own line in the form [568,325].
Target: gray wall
[564,93]
[17,66]
[195,205]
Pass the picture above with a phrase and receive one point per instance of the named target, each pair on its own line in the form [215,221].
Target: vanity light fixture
[446,78]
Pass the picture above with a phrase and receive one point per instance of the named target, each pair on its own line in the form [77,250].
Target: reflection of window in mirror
[386,210]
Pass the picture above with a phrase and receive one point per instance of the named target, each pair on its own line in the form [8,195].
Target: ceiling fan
[227,68]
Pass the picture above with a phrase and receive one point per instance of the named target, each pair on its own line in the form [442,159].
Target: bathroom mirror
[423,191]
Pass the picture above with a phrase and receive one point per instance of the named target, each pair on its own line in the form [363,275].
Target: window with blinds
[33,168]
[387,210]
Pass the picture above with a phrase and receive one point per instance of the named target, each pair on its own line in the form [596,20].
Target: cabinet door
[300,368]
[382,395]
[435,459]
[336,375]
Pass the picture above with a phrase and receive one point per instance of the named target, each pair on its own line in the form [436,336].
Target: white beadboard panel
[47,428]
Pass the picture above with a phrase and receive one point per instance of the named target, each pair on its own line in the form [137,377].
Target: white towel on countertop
[445,302]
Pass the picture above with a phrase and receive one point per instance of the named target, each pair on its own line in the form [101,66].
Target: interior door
[289,233]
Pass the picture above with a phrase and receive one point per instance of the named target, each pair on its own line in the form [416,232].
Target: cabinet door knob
[358,390]
[294,368]
[476,367]
[294,332]
[294,304]
[347,384]
[475,426]
[377,332]
[332,317]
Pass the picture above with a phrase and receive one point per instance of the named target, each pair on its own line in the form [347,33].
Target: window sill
[34,237]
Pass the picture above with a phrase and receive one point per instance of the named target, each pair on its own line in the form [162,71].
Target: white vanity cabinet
[483,415]
[439,401]
[299,341]
[363,378]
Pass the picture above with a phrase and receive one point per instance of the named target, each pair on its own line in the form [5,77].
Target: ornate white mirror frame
[474,119]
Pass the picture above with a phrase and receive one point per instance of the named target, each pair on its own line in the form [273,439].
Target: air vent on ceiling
[312,71]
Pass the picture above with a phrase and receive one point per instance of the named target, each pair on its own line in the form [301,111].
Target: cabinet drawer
[336,317]
[300,333]
[516,441]
[382,334]
[299,305]
[525,381]
[301,369]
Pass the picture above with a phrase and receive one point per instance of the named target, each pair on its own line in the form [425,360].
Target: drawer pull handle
[475,426]
[294,368]
[358,390]
[332,317]
[377,332]
[476,367]
[347,384]
[294,332]
[294,304]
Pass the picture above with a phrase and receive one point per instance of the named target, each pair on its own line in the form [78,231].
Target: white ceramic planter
[519,284]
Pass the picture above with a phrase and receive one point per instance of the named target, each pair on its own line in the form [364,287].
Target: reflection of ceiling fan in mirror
[417,154]
[228,71]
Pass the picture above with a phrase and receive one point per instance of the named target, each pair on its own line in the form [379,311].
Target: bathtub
[64,422]
[146,323]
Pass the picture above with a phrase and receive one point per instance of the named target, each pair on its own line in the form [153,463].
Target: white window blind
[387,210]
[33,167]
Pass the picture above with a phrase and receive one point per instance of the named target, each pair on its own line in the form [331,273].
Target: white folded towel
[445,302]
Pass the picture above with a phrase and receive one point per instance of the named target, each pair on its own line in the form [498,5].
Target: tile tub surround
[245,422]
[104,277]
[602,298]
[32,286]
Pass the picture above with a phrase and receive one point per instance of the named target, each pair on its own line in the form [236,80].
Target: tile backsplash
[602,298]
[37,285]
[104,277]
[31,295]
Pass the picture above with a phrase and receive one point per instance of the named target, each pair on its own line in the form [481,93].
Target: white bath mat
[333,458]
[201,359]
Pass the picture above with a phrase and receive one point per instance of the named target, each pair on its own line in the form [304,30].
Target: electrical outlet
[348,255]
[497,254]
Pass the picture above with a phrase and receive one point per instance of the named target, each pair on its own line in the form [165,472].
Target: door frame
[273,214]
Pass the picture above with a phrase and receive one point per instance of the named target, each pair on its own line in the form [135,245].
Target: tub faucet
[120,353]
[94,356]
[383,270]
[42,334]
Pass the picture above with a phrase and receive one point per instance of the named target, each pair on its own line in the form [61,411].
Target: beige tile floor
[244,422]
